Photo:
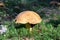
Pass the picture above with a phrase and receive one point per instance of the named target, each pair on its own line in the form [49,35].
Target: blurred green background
[48,29]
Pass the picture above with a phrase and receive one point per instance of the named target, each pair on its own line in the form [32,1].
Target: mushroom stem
[30,29]
[28,26]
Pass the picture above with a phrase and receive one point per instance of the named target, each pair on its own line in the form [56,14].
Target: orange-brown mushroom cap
[1,3]
[28,17]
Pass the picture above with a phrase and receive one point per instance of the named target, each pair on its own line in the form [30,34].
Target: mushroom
[1,4]
[29,18]
[58,5]
[53,3]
